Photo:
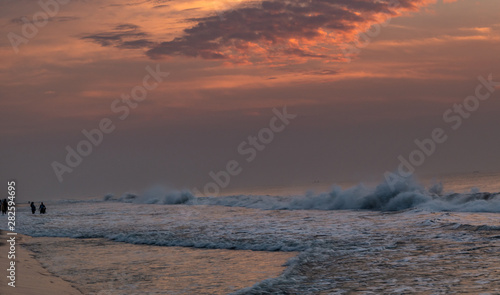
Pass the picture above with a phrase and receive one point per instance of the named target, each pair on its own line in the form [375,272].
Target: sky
[360,80]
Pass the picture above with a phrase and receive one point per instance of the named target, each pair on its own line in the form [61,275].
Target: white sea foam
[396,230]
[405,195]
[330,241]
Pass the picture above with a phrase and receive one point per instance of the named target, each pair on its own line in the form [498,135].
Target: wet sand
[102,267]
[31,277]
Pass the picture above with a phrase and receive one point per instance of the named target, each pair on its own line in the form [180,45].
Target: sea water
[363,240]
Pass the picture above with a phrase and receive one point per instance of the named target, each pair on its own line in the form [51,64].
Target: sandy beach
[31,277]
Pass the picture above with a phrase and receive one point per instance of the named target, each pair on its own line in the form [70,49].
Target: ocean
[436,238]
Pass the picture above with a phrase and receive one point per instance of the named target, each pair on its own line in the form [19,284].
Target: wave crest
[406,194]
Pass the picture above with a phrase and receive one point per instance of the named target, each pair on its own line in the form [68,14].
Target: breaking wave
[407,194]
[155,195]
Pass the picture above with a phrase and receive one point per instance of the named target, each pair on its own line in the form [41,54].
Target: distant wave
[155,195]
[406,194]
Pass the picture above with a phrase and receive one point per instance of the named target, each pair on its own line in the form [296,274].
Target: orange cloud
[248,32]
[288,31]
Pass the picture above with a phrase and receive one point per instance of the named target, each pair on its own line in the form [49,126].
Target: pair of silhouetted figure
[42,208]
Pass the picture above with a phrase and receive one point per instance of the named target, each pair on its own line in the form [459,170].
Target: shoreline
[31,277]
[110,267]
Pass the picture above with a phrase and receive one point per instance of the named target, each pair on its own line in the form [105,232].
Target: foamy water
[411,240]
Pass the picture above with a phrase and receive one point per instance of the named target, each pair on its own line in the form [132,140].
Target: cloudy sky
[366,78]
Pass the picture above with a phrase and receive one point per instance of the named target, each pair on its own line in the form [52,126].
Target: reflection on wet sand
[103,267]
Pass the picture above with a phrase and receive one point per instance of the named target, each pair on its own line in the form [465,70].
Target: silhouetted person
[33,208]
[4,206]
[42,208]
